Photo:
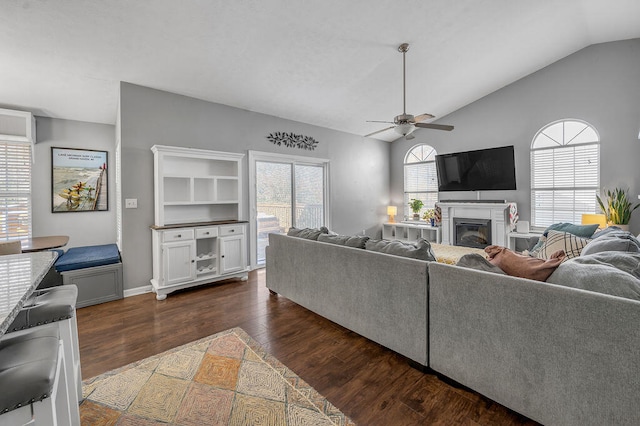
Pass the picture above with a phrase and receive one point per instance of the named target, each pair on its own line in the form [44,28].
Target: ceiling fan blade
[434,126]
[423,117]
[379,131]
[377,121]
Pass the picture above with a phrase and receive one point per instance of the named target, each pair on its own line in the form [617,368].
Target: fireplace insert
[474,233]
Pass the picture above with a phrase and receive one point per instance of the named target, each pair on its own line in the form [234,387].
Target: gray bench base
[96,285]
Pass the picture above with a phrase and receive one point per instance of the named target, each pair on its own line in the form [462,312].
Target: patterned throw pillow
[556,240]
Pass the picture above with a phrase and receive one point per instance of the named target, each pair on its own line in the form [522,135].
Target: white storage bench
[95,270]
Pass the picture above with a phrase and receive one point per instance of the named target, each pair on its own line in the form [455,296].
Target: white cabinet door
[232,254]
[178,260]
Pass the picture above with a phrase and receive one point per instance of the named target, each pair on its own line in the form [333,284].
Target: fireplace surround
[498,213]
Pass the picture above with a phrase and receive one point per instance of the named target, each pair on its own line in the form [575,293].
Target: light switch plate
[131,203]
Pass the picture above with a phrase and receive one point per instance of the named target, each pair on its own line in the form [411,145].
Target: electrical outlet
[131,203]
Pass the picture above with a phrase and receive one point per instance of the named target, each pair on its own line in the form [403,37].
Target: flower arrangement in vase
[430,216]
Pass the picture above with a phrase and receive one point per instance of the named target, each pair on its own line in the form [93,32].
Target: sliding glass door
[289,192]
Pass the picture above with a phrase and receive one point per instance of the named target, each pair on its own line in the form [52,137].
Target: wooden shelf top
[194,224]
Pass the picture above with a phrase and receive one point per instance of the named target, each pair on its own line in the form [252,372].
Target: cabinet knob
[222,256]
[192,260]
[206,233]
[179,236]
[232,230]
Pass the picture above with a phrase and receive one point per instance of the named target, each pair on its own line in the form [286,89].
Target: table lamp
[590,219]
[392,211]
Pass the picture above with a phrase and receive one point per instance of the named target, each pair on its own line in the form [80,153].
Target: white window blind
[565,172]
[420,177]
[15,190]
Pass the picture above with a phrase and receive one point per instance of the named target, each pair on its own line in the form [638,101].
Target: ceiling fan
[406,124]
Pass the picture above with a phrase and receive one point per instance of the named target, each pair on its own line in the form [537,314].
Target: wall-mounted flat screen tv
[481,170]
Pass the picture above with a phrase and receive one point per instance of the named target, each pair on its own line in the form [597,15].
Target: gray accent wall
[599,84]
[83,228]
[359,167]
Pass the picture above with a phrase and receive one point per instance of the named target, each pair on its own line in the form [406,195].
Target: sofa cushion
[556,240]
[307,233]
[88,257]
[614,241]
[614,273]
[479,262]
[357,241]
[523,266]
[420,249]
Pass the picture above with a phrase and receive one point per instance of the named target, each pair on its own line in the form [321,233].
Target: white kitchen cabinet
[192,255]
[199,236]
[232,254]
[177,262]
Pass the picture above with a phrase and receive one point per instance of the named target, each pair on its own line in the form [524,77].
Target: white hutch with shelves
[198,236]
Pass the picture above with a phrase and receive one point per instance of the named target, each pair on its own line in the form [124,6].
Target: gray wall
[359,168]
[83,228]
[599,84]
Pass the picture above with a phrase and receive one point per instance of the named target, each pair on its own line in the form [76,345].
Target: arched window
[420,178]
[565,172]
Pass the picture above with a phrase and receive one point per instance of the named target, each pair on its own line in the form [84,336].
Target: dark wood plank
[369,383]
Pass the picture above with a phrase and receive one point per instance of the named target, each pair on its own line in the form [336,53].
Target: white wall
[83,228]
[359,167]
[599,84]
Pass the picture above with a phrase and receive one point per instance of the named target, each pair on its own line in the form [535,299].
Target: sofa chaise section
[558,355]
[379,296]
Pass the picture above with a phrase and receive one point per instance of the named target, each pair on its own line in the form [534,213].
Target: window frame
[255,156]
[23,176]
[553,188]
[429,161]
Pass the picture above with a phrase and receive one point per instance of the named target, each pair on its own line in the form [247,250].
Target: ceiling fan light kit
[405,124]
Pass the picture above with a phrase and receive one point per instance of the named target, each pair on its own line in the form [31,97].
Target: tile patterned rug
[224,379]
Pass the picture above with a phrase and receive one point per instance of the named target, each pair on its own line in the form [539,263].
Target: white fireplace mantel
[497,212]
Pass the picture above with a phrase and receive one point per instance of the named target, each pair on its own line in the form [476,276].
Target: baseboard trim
[138,290]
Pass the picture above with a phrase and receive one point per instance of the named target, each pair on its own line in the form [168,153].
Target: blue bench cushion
[88,257]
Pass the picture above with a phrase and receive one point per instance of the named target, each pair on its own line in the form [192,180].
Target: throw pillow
[307,233]
[584,231]
[569,243]
[518,265]
[356,241]
[420,249]
[479,262]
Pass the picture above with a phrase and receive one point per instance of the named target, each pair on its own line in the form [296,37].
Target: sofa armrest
[555,354]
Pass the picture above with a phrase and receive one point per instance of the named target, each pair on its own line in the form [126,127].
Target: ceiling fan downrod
[403,48]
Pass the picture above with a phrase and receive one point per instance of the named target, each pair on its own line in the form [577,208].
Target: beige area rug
[224,379]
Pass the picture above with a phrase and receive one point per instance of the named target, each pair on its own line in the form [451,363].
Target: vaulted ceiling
[330,63]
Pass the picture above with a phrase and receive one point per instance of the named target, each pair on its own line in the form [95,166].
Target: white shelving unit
[199,236]
[196,185]
[404,231]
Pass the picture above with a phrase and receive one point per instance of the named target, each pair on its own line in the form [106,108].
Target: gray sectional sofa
[556,354]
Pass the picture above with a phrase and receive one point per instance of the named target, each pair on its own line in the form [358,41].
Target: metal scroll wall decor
[291,140]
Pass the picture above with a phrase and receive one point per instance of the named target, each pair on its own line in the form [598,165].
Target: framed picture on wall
[78,180]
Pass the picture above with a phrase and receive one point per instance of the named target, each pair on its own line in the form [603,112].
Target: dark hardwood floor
[370,384]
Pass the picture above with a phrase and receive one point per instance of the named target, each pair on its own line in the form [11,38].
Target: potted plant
[416,206]
[618,208]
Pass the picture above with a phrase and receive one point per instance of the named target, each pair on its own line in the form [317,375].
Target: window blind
[564,183]
[15,190]
[421,182]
